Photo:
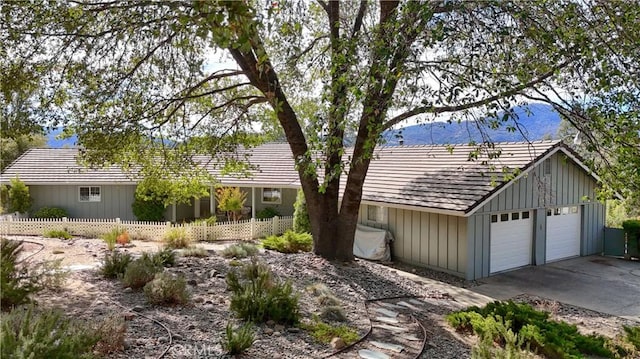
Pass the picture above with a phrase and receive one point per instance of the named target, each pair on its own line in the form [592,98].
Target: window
[504,217]
[515,216]
[376,214]
[565,210]
[494,218]
[556,211]
[548,212]
[525,215]
[89,194]
[547,166]
[574,209]
[271,195]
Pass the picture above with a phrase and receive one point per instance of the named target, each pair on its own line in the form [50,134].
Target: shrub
[237,340]
[19,198]
[50,212]
[19,282]
[324,332]
[258,297]
[165,257]
[139,273]
[116,235]
[210,221]
[55,233]
[240,250]
[166,288]
[301,221]
[198,252]
[289,242]
[111,333]
[148,209]
[533,328]
[231,200]
[115,264]
[633,335]
[333,313]
[267,212]
[29,333]
[177,238]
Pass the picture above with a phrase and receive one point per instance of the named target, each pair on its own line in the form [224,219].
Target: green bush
[19,198]
[289,242]
[333,313]
[198,252]
[30,333]
[237,340]
[139,273]
[148,209]
[54,233]
[258,297]
[50,212]
[267,212]
[210,221]
[324,332]
[534,329]
[165,257]
[114,264]
[231,200]
[111,237]
[633,335]
[177,238]
[240,250]
[301,221]
[166,288]
[632,228]
[111,333]
[18,282]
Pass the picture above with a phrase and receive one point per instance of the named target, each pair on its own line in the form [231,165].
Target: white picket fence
[247,229]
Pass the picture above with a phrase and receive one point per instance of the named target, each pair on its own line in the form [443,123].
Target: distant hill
[542,122]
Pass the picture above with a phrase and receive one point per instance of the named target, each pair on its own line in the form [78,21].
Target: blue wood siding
[115,200]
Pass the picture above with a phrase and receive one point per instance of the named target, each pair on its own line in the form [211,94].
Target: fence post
[253,225]
[275,226]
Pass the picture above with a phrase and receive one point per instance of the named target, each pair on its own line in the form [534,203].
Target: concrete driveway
[603,284]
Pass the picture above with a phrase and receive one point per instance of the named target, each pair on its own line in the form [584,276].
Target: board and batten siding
[567,184]
[426,239]
[115,200]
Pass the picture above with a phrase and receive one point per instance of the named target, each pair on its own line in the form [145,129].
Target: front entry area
[511,241]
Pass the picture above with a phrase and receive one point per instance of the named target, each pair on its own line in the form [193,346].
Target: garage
[511,241]
[563,233]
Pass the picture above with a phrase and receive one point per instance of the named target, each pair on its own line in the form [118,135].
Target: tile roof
[430,177]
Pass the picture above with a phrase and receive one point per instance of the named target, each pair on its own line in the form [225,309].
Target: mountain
[542,122]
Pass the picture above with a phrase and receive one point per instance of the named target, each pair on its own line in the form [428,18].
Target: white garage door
[511,241]
[563,233]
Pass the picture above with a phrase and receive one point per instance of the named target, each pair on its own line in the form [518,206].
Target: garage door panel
[511,244]
[563,233]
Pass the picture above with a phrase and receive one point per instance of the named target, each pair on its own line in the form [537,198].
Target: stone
[390,328]
[192,282]
[213,273]
[388,346]
[191,327]
[386,312]
[371,354]
[407,305]
[337,343]
[279,327]
[198,300]
[127,344]
[177,337]
[390,305]
[163,339]
[416,302]
[138,308]
[127,290]
[129,316]
[267,331]
[277,334]
[409,337]
[387,320]
[294,330]
[270,323]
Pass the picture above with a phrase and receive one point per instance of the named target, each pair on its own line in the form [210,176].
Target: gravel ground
[196,329]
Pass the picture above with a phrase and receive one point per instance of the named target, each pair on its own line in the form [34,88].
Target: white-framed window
[89,194]
[376,214]
[272,195]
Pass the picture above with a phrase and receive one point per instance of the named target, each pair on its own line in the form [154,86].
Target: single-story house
[533,204]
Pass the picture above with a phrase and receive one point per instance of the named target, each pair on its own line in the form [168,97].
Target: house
[533,204]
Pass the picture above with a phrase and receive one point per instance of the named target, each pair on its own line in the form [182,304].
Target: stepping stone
[416,302]
[387,320]
[388,346]
[390,305]
[386,312]
[409,337]
[390,327]
[407,305]
[372,354]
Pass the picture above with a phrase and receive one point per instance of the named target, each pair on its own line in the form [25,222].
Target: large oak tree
[135,79]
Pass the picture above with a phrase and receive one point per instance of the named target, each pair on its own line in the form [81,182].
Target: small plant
[301,222]
[166,288]
[165,257]
[19,198]
[267,212]
[177,238]
[235,263]
[197,252]
[55,233]
[111,333]
[123,238]
[18,281]
[116,235]
[237,340]
[31,333]
[139,273]
[333,313]
[289,242]
[240,250]
[231,200]
[115,264]
[258,297]
[50,212]
[323,295]
[324,332]
[633,335]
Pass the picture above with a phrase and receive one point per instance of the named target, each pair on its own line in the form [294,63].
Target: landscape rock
[337,343]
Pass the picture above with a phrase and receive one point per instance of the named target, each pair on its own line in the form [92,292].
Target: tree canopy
[136,79]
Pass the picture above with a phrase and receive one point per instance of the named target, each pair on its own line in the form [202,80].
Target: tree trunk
[333,236]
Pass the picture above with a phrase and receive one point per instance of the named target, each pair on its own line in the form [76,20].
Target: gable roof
[435,178]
